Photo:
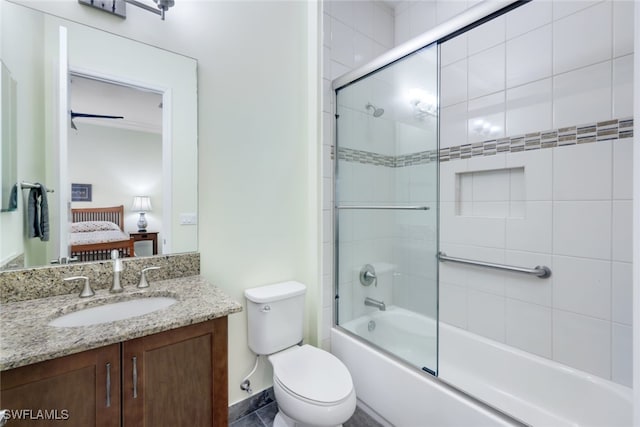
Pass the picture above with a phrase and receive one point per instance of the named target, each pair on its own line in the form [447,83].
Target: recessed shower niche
[498,193]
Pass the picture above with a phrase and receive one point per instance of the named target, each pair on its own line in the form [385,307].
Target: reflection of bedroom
[121,159]
[130,165]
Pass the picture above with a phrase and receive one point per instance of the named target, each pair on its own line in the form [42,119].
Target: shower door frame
[457,25]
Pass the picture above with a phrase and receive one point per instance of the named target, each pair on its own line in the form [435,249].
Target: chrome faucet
[117,268]
[375,303]
[86,290]
[143,277]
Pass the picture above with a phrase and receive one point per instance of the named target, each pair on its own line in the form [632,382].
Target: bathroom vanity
[165,368]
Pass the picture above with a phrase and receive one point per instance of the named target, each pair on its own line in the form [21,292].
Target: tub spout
[375,303]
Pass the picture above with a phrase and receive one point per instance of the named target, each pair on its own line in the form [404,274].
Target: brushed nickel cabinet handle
[108,385]
[135,377]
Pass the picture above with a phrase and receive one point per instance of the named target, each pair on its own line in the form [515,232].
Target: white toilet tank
[275,316]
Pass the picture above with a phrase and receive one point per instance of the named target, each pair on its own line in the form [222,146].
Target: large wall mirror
[100,121]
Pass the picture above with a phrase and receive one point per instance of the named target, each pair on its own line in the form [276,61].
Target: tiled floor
[261,408]
[263,417]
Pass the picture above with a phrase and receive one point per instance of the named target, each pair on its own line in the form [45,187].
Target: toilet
[312,386]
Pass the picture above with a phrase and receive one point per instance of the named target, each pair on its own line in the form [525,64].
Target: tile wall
[388,160]
[546,88]
[354,32]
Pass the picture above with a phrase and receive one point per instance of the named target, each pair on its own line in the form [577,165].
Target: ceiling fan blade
[97,116]
[93,116]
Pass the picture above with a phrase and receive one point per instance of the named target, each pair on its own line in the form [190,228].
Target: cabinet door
[177,378]
[80,390]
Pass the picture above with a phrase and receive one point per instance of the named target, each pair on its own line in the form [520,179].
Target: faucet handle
[86,290]
[143,278]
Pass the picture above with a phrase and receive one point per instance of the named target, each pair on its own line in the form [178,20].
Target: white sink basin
[112,312]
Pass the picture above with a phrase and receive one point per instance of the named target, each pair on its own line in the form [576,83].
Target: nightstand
[152,236]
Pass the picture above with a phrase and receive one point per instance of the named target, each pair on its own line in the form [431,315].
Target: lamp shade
[141,204]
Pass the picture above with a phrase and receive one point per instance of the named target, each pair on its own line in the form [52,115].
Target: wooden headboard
[113,214]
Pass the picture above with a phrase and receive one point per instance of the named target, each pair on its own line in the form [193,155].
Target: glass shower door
[386,192]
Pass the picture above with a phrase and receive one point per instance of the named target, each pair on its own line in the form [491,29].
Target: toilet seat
[301,412]
[312,375]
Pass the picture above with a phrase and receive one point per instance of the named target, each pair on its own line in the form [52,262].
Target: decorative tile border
[369,158]
[416,158]
[594,132]
[365,157]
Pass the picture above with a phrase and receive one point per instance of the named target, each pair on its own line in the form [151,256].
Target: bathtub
[532,389]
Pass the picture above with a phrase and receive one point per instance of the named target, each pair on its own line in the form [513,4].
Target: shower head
[377,112]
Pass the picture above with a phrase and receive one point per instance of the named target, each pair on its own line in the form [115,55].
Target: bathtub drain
[371,326]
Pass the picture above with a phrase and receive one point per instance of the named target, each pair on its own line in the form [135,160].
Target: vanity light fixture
[141,204]
[119,7]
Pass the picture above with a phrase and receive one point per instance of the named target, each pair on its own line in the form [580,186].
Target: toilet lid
[312,373]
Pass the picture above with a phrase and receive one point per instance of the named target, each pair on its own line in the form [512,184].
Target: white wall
[253,194]
[413,18]
[257,166]
[544,66]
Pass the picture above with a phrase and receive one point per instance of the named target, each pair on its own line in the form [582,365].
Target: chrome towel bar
[540,270]
[409,208]
[28,185]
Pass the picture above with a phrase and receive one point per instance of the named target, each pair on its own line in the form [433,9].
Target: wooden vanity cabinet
[81,390]
[169,379]
[172,378]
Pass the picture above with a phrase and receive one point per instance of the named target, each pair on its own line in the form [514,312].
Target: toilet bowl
[312,387]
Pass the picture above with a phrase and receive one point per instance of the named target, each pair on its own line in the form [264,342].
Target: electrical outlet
[188,219]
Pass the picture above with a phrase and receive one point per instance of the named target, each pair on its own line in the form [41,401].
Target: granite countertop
[26,337]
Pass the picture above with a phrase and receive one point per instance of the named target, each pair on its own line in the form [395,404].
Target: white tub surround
[401,332]
[530,388]
[404,396]
[538,391]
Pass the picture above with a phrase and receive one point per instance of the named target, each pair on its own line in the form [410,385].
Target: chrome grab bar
[541,271]
[409,208]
